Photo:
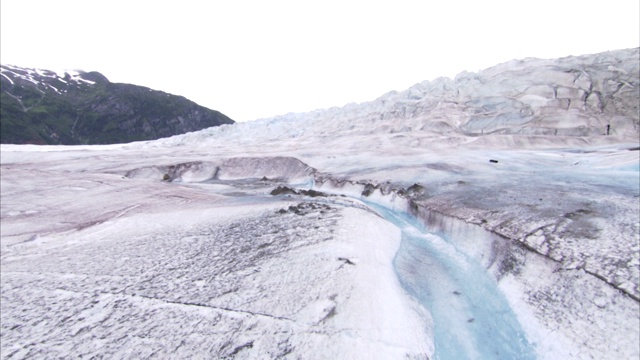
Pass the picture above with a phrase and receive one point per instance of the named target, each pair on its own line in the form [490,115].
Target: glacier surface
[488,216]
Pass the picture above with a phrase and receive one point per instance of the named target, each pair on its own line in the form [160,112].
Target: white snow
[54,88]
[78,78]
[6,77]
[32,76]
[45,73]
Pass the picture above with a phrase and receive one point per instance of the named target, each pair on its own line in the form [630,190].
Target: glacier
[482,217]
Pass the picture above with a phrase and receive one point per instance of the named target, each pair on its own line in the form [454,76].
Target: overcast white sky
[254,59]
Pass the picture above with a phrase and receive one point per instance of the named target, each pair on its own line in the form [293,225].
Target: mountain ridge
[78,107]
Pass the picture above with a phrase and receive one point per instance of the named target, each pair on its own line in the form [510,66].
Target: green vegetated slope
[42,107]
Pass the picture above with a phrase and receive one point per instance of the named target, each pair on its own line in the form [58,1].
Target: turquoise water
[472,318]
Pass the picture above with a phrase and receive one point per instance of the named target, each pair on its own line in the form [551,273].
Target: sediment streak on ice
[245,278]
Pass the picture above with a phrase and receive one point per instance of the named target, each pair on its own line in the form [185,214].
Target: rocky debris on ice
[223,281]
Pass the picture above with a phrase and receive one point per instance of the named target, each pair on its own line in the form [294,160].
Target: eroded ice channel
[472,318]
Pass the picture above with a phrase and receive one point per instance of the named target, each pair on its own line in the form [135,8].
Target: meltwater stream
[472,319]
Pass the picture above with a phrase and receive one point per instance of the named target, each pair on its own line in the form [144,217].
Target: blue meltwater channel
[472,318]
